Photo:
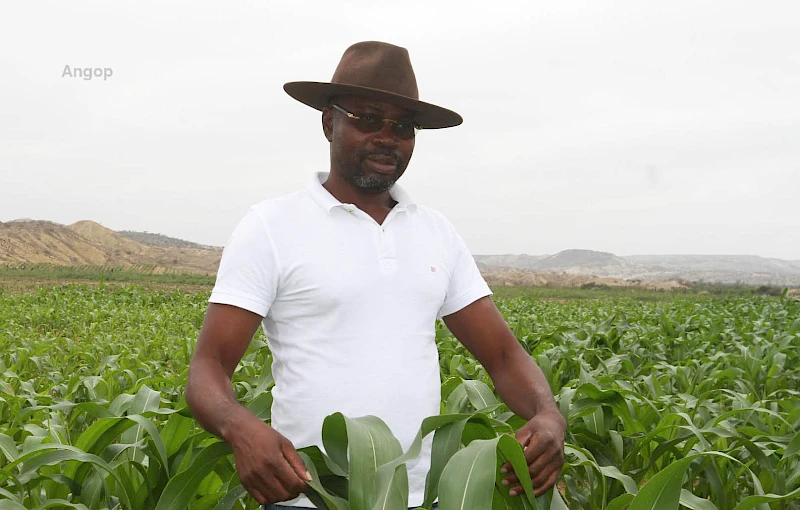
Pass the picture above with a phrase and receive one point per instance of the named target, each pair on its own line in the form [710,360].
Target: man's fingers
[262,500]
[268,490]
[258,483]
[551,481]
[511,480]
[544,460]
[539,472]
[523,435]
[287,479]
[535,448]
[544,470]
[516,490]
[296,462]
[542,477]
[532,457]
[538,488]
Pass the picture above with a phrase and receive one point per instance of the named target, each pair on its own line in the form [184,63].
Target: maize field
[682,403]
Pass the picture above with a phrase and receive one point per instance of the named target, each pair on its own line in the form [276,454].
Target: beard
[356,171]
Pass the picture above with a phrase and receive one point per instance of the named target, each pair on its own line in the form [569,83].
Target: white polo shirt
[349,310]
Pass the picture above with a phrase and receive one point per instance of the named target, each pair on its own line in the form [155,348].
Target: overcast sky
[624,126]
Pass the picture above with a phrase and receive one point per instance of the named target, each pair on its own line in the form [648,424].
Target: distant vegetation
[133,274]
[160,240]
[592,291]
[27,276]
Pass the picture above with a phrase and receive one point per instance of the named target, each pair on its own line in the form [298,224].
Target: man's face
[370,162]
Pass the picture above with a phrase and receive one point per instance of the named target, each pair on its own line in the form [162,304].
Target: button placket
[386,242]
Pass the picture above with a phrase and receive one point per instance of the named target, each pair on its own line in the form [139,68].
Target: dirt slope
[87,242]
[521,277]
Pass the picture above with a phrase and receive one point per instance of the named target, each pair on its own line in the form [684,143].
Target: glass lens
[368,123]
[404,129]
[371,123]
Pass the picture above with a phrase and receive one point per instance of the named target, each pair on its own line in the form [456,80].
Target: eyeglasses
[371,123]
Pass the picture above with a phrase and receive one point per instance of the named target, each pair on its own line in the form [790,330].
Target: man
[348,278]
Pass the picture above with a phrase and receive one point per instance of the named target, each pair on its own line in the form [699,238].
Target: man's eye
[368,117]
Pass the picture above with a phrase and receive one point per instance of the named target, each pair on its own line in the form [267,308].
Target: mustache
[385,152]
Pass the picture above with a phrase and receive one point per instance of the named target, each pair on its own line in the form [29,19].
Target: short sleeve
[249,269]
[466,282]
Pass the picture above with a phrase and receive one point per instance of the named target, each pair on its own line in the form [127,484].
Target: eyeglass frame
[351,115]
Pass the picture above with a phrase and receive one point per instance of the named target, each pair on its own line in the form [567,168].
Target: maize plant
[689,402]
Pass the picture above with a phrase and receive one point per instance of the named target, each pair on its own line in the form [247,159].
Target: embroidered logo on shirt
[433,269]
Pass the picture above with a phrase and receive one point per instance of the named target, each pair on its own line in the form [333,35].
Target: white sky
[631,127]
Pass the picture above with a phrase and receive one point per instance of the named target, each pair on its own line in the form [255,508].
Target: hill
[508,261]
[162,241]
[89,243]
[721,269]
[581,261]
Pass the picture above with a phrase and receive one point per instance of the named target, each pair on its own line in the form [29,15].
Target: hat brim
[317,95]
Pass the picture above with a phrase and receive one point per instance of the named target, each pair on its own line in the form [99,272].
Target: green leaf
[620,502]
[61,503]
[155,437]
[793,448]
[8,447]
[614,472]
[360,446]
[468,480]
[177,430]
[511,451]
[692,502]
[663,491]
[261,406]
[556,502]
[50,454]
[146,399]
[331,501]
[182,487]
[753,501]
[446,442]
[228,500]
[479,394]
[7,504]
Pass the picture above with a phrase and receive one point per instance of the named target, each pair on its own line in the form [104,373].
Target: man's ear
[327,123]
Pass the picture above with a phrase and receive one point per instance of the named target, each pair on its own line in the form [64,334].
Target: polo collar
[328,202]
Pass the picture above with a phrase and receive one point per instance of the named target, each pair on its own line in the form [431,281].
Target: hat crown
[377,65]
[379,71]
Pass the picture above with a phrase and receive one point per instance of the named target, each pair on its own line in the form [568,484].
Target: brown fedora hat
[375,70]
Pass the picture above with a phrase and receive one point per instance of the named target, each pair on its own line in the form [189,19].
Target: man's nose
[386,135]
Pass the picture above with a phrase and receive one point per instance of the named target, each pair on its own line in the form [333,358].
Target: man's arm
[224,338]
[266,462]
[520,383]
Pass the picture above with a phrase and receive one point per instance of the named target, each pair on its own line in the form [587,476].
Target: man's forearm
[521,384]
[211,398]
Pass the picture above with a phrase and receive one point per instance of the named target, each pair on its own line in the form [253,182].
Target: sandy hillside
[87,242]
[521,277]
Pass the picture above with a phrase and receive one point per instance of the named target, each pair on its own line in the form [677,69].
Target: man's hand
[267,463]
[543,441]
[521,384]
